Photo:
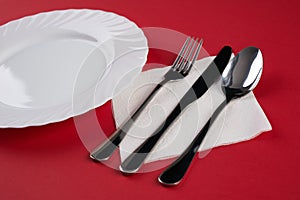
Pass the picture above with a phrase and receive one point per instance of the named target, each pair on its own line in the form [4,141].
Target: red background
[50,162]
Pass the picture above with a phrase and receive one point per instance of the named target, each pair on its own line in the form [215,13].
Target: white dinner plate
[59,64]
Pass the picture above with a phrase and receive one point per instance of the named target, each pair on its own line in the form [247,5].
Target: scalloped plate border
[11,117]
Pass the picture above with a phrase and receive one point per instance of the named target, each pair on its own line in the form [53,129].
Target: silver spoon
[239,78]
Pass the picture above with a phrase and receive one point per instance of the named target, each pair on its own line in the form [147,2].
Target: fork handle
[176,171]
[106,149]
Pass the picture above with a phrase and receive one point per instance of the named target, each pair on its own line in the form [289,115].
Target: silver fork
[180,68]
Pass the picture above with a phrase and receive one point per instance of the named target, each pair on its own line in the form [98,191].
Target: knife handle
[135,160]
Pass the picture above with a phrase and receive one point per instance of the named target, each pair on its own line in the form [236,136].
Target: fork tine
[196,54]
[180,53]
[182,61]
[189,58]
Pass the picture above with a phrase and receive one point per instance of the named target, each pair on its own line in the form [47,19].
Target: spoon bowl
[243,73]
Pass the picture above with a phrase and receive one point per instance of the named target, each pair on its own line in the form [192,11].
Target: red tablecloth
[50,162]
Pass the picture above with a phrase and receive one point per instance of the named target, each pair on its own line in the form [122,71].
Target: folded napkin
[241,120]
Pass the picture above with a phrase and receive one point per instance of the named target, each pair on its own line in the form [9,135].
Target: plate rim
[67,114]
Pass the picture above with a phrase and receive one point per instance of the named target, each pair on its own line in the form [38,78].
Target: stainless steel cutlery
[239,76]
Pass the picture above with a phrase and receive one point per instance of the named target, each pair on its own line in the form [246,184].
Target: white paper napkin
[241,120]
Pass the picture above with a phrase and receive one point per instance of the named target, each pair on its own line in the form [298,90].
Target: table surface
[50,162]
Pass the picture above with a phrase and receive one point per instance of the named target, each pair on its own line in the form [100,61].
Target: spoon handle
[176,171]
